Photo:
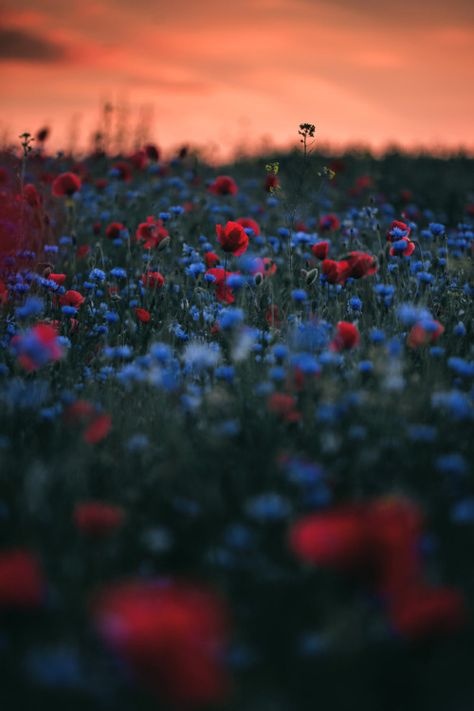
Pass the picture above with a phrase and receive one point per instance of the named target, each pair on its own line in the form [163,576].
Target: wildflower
[232,238]
[72,298]
[223,185]
[220,278]
[142,314]
[403,247]
[320,250]
[172,636]
[114,230]
[329,223]
[98,429]
[285,406]
[122,170]
[37,347]
[153,280]
[21,581]
[428,612]
[66,184]
[347,337]
[249,224]
[424,332]
[152,234]
[97,519]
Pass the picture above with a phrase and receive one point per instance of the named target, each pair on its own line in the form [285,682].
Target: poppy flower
[37,347]
[422,334]
[428,612]
[347,337]
[249,223]
[223,185]
[21,581]
[152,233]
[32,196]
[82,251]
[285,406]
[114,230]
[272,316]
[72,298]
[142,314]
[66,184]
[138,159]
[266,267]
[329,223]
[211,259]
[396,526]
[335,272]
[172,636]
[79,411]
[359,264]
[95,518]
[320,250]
[223,290]
[403,247]
[397,230]
[122,170]
[153,280]
[336,539]
[232,238]
[58,279]
[98,429]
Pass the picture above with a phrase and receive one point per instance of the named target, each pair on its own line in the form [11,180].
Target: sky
[224,74]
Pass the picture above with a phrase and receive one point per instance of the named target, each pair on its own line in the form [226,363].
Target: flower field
[236,431]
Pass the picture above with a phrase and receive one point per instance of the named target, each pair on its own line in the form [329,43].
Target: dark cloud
[25,46]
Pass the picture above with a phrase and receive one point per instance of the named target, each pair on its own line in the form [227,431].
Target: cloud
[17,44]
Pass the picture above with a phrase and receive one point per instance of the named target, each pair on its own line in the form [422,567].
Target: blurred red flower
[66,184]
[96,518]
[171,635]
[223,185]
[21,580]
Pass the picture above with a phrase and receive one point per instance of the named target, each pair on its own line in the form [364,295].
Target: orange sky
[225,73]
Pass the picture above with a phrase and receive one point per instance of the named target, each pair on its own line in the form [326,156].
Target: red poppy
[153,280]
[58,279]
[211,259]
[421,336]
[37,347]
[32,196]
[123,170]
[398,225]
[285,406]
[249,223]
[335,272]
[223,185]
[272,316]
[266,267]
[79,411]
[172,636]
[138,159]
[395,524]
[320,250]
[428,612]
[406,252]
[142,314]
[336,539]
[360,264]
[72,298]
[98,429]
[329,223]
[66,184]
[223,290]
[21,581]
[82,251]
[95,518]
[113,230]
[347,337]
[101,183]
[232,238]
[151,233]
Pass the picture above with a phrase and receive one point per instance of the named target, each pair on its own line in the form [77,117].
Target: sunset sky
[244,72]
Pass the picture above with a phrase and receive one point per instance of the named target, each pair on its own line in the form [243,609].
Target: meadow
[236,430]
